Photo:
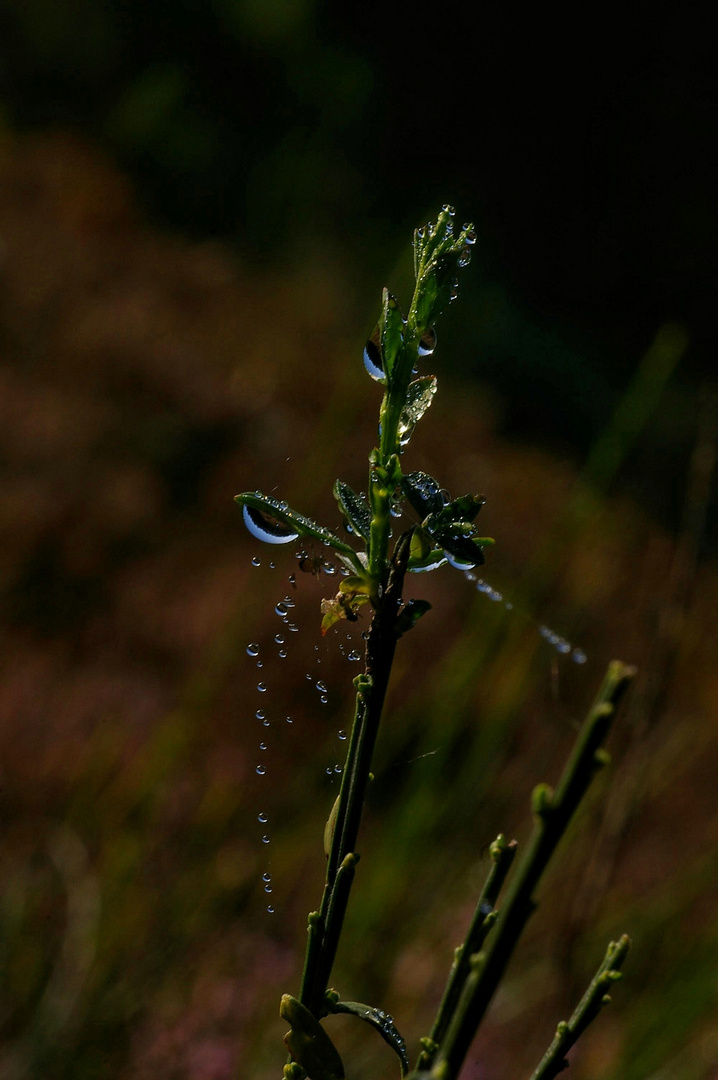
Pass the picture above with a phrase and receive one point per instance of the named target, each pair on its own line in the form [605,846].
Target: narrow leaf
[423,492]
[410,615]
[354,509]
[379,1020]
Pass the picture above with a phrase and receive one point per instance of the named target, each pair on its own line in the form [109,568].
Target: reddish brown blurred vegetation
[145,380]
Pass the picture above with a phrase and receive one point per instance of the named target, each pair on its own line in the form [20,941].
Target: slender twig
[552,811]
[567,1033]
[502,856]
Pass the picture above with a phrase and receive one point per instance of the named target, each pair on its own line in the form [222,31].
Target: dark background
[583,145]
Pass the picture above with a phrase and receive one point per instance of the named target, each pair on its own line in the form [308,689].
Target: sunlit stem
[325,929]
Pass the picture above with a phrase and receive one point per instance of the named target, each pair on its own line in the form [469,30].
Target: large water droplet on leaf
[427,343]
[459,564]
[372,357]
[266,528]
[434,565]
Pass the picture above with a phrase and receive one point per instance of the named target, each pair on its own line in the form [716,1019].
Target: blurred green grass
[145,380]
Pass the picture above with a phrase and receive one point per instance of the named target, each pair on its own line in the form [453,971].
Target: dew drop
[260,714]
[341,735]
[260,770]
[272,566]
[323,699]
[265,839]
[265,722]
[262,818]
[263,746]
[267,888]
[280,608]
[329,569]
[372,356]
[282,654]
[322,687]
[329,770]
[563,646]
[354,655]
[262,687]
[447,208]
[252,649]
[256,561]
[578,656]
[266,528]
[292,579]
[270,909]
[458,564]
[293,628]
[427,343]
[288,719]
[279,639]
[428,566]
[266,876]
[337,768]
[509,606]
[260,663]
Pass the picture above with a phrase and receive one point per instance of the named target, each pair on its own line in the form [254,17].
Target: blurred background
[199,206]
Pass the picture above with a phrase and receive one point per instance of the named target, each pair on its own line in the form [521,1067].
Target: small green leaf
[423,493]
[421,545]
[354,509]
[464,509]
[308,1042]
[379,1020]
[345,605]
[462,549]
[418,399]
[410,615]
[438,255]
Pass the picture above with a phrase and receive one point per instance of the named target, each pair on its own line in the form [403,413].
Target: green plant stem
[326,925]
[502,855]
[552,814]
[554,1060]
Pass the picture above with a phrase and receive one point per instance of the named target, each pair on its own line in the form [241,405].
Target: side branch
[552,812]
[567,1033]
